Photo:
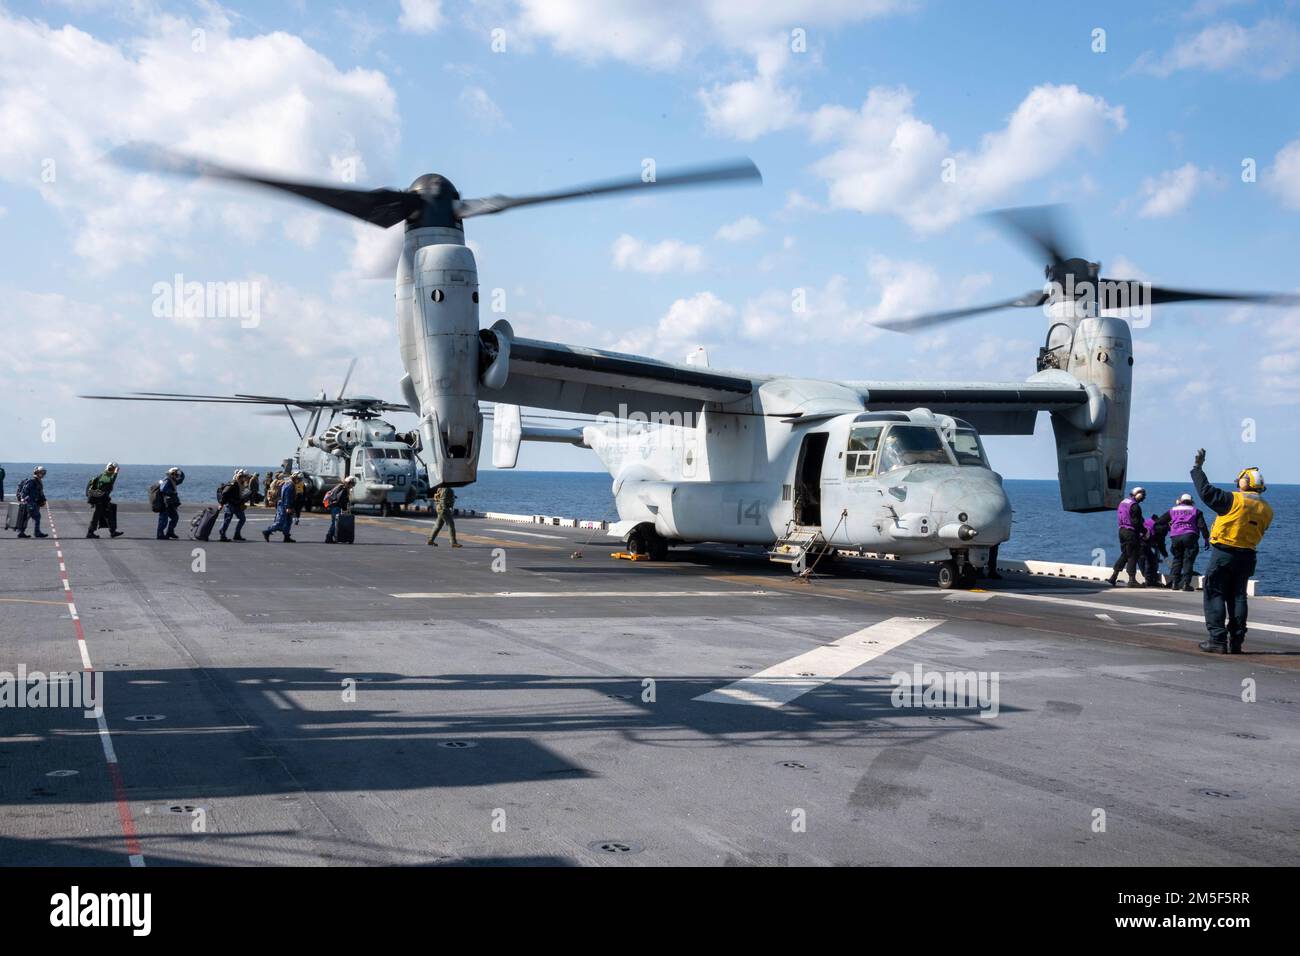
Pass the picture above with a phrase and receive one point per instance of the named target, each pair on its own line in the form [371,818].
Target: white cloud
[747,109]
[1121,267]
[744,228]
[670,255]
[663,35]
[1270,49]
[891,162]
[1171,191]
[420,16]
[1283,177]
[304,228]
[702,319]
[906,288]
[268,102]
[482,109]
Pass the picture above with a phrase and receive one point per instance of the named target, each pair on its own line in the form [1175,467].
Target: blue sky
[851,127]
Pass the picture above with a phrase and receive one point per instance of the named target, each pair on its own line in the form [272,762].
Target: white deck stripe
[85,656]
[581,594]
[1147,612]
[786,681]
[527,534]
[105,738]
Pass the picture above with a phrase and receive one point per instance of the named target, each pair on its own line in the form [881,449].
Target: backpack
[22,487]
[155,499]
[221,491]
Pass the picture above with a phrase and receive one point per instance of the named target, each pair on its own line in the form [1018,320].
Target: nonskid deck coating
[529,706]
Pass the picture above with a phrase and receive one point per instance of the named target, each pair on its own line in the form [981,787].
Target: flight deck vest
[1182,520]
[1125,514]
[1245,522]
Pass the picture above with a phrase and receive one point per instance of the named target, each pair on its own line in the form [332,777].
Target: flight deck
[528,699]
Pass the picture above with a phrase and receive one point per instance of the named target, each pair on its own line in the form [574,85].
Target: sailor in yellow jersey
[1244,516]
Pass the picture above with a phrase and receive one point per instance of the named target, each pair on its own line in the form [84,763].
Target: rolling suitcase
[201,526]
[345,531]
[13,514]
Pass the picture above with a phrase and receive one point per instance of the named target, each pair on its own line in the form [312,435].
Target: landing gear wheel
[948,575]
[638,542]
[645,540]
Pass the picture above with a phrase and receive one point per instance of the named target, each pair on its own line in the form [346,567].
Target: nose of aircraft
[978,501]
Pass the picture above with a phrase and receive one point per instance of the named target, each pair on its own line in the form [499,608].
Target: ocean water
[1039,530]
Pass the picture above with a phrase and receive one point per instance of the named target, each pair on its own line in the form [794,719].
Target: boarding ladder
[797,546]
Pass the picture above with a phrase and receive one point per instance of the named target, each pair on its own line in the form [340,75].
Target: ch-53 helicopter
[385,461]
[894,468]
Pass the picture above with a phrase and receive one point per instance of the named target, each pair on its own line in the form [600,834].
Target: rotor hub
[439,206]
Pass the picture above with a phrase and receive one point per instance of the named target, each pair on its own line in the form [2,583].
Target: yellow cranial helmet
[1254,478]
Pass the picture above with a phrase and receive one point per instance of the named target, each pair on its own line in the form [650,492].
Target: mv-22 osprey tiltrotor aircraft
[389,474]
[796,464]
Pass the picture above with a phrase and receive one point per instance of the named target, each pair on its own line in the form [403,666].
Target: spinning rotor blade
[733,171]
[383,207]
[1027,301]
[306,403]
[1039,228]
[343,388]
[1159,294]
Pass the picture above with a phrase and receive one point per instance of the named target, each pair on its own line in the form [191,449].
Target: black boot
[91,534]
[1214,647]
[223,538]
[1113,580]
[114,533]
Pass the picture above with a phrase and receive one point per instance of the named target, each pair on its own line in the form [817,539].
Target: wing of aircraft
[994,408]
[589,381]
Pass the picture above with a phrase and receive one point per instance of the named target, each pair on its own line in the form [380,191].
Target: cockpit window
[966,446]
[912,445]
[860,458]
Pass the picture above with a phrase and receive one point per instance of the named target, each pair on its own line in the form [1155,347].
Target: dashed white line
[581,594]
[526,534]
[1148,612]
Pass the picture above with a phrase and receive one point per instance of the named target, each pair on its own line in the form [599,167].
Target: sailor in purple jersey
[1131,532]
[1186,524]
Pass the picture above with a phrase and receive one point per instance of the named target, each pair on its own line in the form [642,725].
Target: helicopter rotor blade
[1160,295]
[343,388]
[911,324]
[383,207]
[742,170]
[1040,229]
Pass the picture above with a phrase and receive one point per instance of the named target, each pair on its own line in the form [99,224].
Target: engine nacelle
[444,373]
[1092,440]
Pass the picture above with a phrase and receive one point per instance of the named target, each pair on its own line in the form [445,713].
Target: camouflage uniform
[445,499]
